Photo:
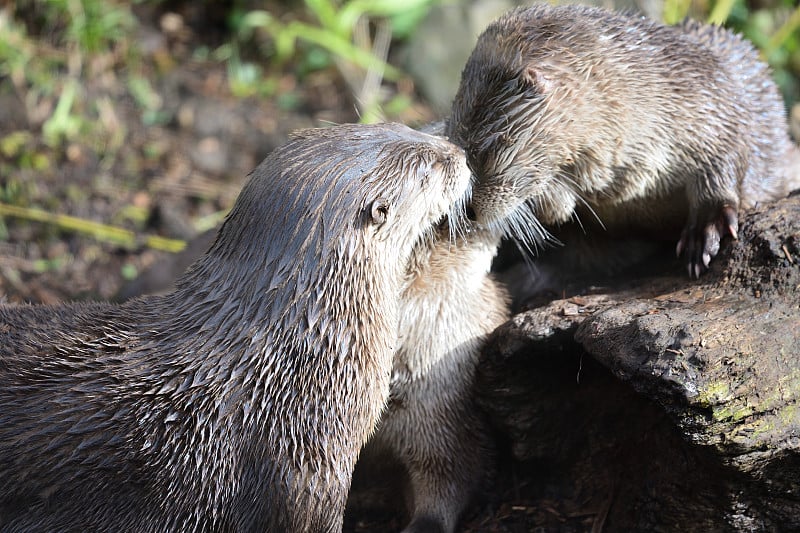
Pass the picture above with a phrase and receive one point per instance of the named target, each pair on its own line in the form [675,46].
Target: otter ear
[538,79]
[379,211]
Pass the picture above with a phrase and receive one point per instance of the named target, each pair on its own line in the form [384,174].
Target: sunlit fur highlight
[587,114]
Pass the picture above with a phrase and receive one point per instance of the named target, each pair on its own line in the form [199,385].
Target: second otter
[594,129]
[432,425]
[238,402]
[575,110]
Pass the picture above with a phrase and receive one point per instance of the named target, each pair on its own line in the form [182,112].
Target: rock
[674,402]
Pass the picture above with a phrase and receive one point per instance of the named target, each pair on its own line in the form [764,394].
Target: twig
[102,232]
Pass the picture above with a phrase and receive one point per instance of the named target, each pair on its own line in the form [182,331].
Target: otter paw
[699,242]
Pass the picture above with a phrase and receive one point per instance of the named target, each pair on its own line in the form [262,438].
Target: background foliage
[51,49]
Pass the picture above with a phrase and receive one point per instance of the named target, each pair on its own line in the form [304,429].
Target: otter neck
[238,305]
[252,332]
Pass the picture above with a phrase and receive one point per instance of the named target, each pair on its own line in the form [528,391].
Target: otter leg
[434,429]
[713,205]
[432,424]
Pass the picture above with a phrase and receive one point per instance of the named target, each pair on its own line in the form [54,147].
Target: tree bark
[666,404]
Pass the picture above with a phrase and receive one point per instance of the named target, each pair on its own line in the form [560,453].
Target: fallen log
[665,404]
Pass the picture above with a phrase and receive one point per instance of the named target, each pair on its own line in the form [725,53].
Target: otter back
[577,111]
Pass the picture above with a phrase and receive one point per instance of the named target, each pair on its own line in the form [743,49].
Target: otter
[240,400]
[578,112]
[432,425]
[448,307]
[570,133]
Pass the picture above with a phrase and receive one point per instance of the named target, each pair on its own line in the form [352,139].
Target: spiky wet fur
[449,305]
[544,148]
[582,112]
[240,401]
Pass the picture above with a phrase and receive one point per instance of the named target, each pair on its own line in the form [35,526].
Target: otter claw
[681,245]
[731,221]
[700,245]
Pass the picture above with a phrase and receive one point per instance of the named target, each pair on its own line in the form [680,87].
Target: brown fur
[432,425]
[449,305]
[576,111]
[240,400]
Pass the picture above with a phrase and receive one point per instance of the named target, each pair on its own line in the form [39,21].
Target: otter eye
[379,211]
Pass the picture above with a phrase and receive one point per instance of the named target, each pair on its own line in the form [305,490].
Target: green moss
[714,394]
[750,435]
[774,413]
[724,405]
[729,408]
[790,415]
[731,413]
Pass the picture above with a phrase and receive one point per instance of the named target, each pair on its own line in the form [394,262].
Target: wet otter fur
[560,136]
[578,112]
[432,426]
[239,401]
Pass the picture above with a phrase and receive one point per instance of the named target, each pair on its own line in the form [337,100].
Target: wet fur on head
[575,110]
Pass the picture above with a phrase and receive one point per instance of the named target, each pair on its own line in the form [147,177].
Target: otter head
[417,180]
[508,117]
[350,200]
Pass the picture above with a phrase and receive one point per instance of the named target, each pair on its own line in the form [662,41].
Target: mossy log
[672,405]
